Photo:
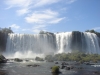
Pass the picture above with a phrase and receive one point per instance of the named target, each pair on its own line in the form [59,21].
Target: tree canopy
[6,30]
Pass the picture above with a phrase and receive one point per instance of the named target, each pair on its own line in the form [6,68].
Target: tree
[6,30]
[49,58]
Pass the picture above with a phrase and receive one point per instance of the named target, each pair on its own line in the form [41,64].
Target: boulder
[34,65]
[2,59]
[18,60]
[26,60]
[96,72]
[56,63]
[68,68]
[90,63]
[64,63]
[63,66]
[80,67]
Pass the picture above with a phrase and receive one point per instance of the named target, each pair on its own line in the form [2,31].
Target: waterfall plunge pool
[21,68]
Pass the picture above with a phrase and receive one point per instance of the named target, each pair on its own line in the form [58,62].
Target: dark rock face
[78,41]
[3,41]
[53,40]
[2,59]
[50,38]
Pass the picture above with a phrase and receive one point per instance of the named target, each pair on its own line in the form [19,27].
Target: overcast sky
[31,16]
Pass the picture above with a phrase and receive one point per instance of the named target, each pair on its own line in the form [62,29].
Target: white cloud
[18,3]
[22,11]
[70,1]
[33,3]
[28,3]
[96,28]
[15,26]
[37,28]
[40,19]
[45,2]
[57,20]
[24,6]
[44,17]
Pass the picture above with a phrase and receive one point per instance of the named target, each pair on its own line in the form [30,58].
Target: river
[21,68]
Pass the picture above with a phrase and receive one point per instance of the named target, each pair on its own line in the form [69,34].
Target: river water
[21,68]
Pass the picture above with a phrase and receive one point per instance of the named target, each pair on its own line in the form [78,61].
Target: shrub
[18,60]
[39,59]
[55,69]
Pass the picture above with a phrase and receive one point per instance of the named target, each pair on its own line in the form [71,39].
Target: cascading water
[64,42]
[30,46]
[25,45]
[92,43]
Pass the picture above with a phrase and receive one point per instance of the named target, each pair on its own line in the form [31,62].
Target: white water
[64,42]
[30,46]
[92,43]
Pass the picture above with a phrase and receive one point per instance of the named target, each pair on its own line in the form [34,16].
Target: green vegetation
[6,30]
[55,69]
[49,58]
[45,32]
[18,60]
[75,56]
[39,59]
[3,37]
[93,31]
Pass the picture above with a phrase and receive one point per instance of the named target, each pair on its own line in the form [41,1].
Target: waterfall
[92,43]
[32,45]
[63,42]
[26,45]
